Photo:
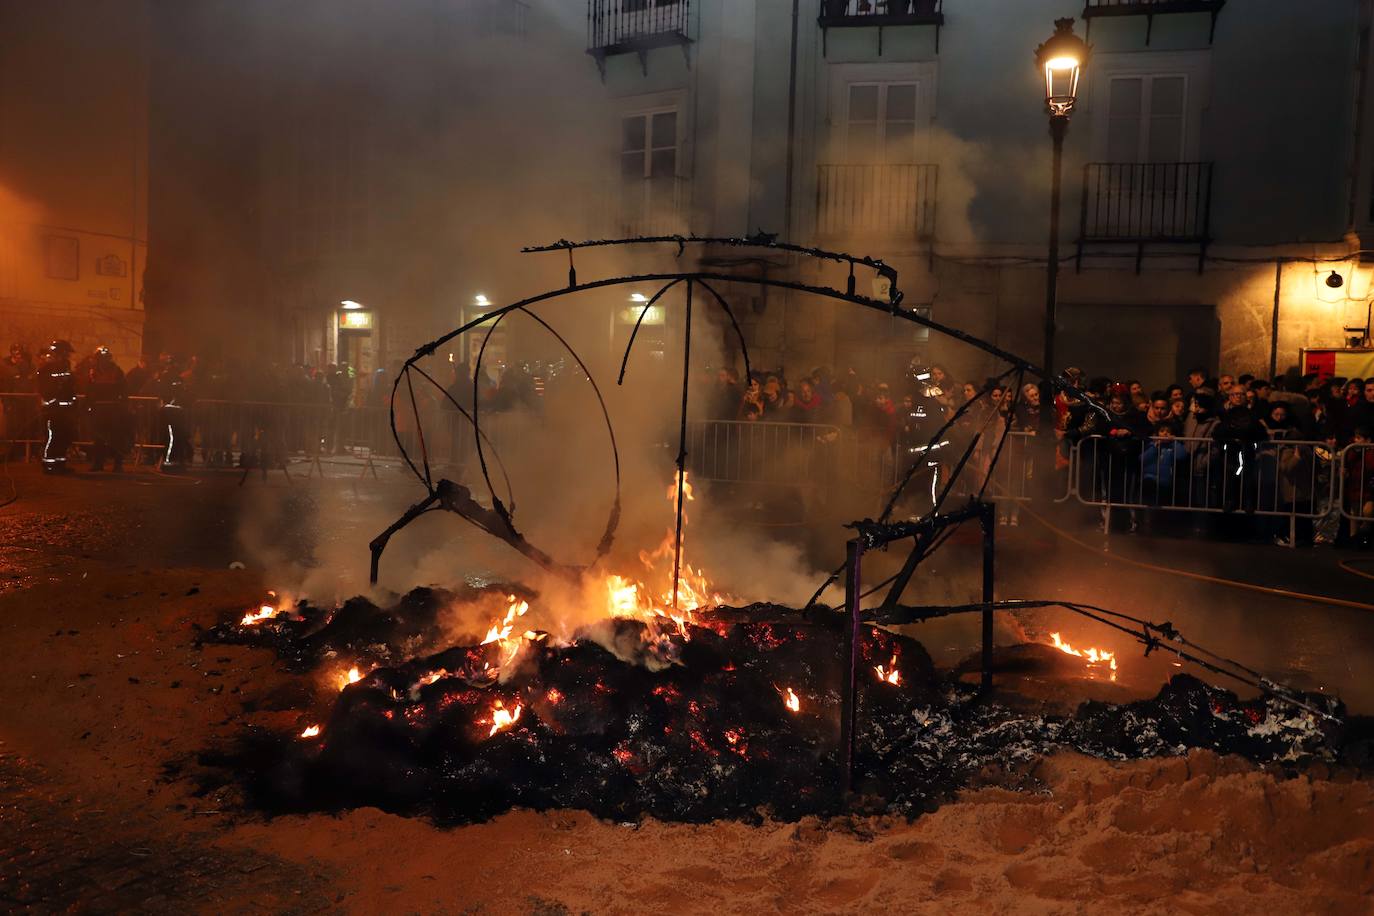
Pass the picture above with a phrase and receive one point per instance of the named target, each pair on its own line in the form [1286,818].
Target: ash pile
[735,716]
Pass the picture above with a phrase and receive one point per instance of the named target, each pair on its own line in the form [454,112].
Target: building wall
[74,173]
[1272,107]
[477,137]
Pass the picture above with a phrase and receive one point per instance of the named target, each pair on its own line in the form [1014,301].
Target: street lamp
[1061,59]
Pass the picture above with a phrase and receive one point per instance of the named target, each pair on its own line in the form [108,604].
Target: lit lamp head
[481,301]
[1061,59]
[350,305]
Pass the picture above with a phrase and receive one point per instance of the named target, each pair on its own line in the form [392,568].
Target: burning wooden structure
[676,704]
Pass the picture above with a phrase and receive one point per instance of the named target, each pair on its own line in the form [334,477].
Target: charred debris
[736,717]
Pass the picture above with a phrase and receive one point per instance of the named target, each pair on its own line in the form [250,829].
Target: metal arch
[613,520]
[892,307]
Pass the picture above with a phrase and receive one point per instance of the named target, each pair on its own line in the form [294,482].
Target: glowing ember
[1093,656]
[790,699]
[889,674]
[311,731]
[503,718]
[352,676]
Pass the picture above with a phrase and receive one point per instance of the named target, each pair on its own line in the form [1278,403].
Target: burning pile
[742,721]
[669,705]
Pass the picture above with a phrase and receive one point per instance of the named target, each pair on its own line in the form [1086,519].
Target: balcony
[635,27]
[651,206]
[880,201]
[1097,9]
[1141,203]
[842,14]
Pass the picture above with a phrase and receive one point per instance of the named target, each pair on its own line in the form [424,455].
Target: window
[650,194]
[880,122]
[1145,118]
[648,146]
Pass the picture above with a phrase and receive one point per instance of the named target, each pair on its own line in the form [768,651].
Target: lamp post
[1061,59]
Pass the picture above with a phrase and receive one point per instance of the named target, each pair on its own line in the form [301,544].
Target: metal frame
[1200,205]
[846,20]
[666,29]
[1096,9]
[498,520]
[873,535]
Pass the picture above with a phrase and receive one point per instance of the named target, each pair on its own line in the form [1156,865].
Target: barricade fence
[1273,477]
[861,462]
[252,433]
[1357,482]
[1278,478]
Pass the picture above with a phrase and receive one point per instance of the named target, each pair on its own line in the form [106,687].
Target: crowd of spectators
[192,378]
[1165,446]
[1162,445]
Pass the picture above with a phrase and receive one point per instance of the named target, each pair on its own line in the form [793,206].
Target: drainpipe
[1274,327]
[791,126]
[791,159]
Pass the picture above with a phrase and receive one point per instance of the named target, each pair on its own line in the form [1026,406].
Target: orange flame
[352,676]
[503,718]
[789,699]
[266,611]
[1093,656]
[500,632]
[889,674]
[626,597]
[311,731]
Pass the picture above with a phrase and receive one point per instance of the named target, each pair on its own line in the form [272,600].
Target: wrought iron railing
[1094,9]
[1146,202]
[880,12]
[614,25]
[876,199]
[1107,7]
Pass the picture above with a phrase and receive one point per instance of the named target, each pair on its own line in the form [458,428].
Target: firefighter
[172,386]
[104,382]
[57,391]
[921,415]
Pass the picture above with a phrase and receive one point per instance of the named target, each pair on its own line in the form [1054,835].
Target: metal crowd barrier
[1274,478]
[741,451]
[1016,476]
[862,461]
[1277,478]
[22,424]
[1356,487]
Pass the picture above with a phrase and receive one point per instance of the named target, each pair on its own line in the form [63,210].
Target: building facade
[74,174]
[1219,167]
[1210,145]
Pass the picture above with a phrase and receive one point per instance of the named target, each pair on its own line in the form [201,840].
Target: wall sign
[355,320]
